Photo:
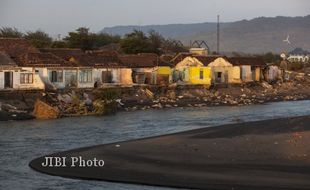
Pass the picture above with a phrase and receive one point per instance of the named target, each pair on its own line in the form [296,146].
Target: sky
[61,16]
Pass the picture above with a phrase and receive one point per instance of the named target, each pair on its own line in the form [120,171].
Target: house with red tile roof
[18,78]
[251,68]
[148,68]
[100,67]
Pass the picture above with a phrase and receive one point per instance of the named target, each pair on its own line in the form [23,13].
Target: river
[22,141]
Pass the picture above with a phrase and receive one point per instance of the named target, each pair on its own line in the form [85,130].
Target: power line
[218,34]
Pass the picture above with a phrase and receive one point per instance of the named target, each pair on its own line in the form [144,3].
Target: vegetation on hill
[135,42]
[259,35]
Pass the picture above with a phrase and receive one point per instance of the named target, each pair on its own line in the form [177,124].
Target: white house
[17,78]
[298,58]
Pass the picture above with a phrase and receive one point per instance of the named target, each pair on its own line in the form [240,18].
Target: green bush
[107,94]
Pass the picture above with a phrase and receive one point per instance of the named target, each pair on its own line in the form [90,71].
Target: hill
[258,35]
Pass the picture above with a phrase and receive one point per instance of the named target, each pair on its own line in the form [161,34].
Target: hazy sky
[61,16]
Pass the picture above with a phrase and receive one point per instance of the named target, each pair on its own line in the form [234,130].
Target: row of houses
[24,67]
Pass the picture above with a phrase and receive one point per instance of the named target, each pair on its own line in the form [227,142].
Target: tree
[271,58]
[81,38]
[136,42]
[59,44]
[39,39]
[7,32]
[102,39]
[156,42]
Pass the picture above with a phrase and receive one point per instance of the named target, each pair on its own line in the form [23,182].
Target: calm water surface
[20,142]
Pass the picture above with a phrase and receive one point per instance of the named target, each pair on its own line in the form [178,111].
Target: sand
[271,154]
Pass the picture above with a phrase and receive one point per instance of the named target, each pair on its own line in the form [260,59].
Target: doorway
[8,79]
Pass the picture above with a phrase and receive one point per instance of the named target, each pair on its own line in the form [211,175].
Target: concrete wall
[59,85]
[1,80]
[85,84]
[246,73]
[257,74]
[37,83]
[224,74]
[188,62]
[119,75]
[234,75]
[194,75]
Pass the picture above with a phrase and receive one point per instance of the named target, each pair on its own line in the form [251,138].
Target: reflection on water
[20,142]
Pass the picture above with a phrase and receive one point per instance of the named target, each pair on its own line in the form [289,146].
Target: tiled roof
[253,61]
[43,60]
[5,60]
[179,57]
[64,53]
[145,60]
[206,60]
[16,47]
[99,58]
[100,61]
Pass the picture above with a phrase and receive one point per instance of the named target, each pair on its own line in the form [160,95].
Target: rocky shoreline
[109,100]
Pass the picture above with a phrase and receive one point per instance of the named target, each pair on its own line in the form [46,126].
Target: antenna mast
[218,34]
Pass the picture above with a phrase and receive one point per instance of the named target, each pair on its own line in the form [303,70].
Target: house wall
[246,73]
[234,75]
[58,85]
[119,75]
[126,76]
[194,75]
[163,74]
[116,76]
[188,62]
[257,75]
[144,75]
[36,84]
[224,76]
[221,65]
[45,75]
[1,80]
[85,84]
[272,73]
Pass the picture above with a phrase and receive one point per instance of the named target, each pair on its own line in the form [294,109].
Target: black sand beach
[271,154]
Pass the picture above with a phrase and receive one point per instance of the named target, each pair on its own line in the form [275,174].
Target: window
[106,76]
[85,76]
[56,76]
[26,78]
[201,74]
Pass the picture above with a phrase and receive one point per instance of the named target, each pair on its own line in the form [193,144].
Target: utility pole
[218,34]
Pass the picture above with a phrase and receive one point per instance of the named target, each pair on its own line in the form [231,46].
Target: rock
[44,111]
[157,105]
[266,85]
[8,107]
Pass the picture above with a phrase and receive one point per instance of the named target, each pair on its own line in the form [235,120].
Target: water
[22,141]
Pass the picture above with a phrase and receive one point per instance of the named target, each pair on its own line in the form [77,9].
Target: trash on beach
[119,101]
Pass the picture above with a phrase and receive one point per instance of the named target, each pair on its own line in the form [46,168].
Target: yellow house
[199,75]
[191,71]
[162,75]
